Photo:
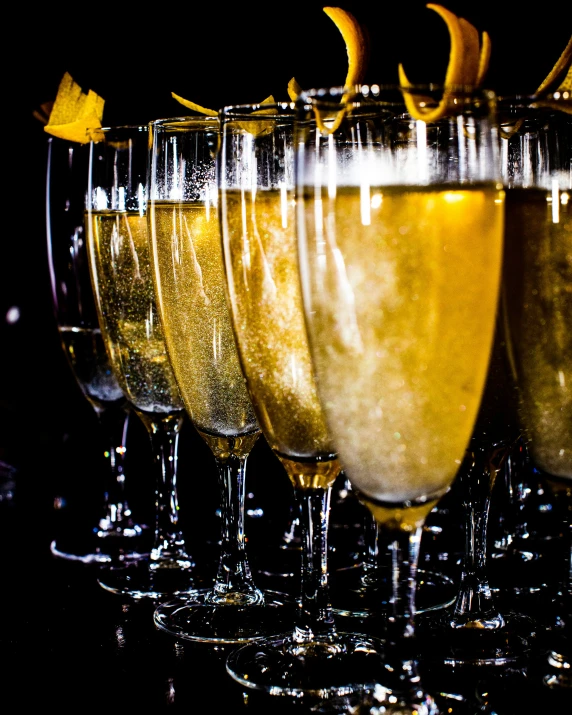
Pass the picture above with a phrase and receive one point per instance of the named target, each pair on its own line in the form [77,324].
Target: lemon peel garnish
[561,72]
[557,82]
[468,64]
[213,112]
[194,106]
[357,46]
[75,115]
[294,89]
[357,49]
[259,128]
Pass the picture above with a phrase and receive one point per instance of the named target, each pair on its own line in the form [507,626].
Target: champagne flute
[536,155]
[117,535]
[190,288]
[121,274]
[257,210]
[400,244]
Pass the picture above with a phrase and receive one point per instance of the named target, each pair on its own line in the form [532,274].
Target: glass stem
[475,605]
[514,530]
[399,651]
[169,542]
[114,422]
[315,616]
[234,577]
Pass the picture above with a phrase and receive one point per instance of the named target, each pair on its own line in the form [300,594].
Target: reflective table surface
[65,643]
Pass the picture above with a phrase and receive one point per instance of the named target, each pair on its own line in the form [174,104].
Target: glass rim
[182,120]
[246,109]
[374,91]
[125,127]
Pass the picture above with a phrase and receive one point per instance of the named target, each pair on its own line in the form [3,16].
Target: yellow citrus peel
[558,80]
[560,76]
[193,106]
[357,48]
[75,115]
[468,64]
[251,127]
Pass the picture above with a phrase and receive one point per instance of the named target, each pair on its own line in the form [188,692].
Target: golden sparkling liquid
[190,281]
[405,286]
[538,303]
[128,314]
[266,303]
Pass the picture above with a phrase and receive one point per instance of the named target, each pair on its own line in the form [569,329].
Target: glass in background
[257,211]
[120,266]
[117,535]
[536,145]
[400,228]
[191,296]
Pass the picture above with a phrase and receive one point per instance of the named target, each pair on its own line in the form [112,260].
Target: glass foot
[139,580]
[104,547]
[379,701]
[357,594]
[321,669]
[191,617]
[507,645]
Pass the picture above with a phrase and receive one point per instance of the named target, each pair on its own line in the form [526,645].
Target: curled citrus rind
[356,43]
[294,89]
[75,115]
[468,64]
[357,48]
[259,128]
[560,76]
[194,106]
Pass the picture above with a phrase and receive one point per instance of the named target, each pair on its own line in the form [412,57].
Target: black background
[134,55]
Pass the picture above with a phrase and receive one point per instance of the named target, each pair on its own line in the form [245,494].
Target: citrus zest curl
[75,115]
[468,64]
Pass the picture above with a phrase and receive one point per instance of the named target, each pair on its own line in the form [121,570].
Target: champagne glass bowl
[121,274]
[400,227]
[191,296]
[116,534]
[536,144]
[257,210]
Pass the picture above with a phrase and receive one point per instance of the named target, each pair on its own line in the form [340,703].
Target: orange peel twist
[357,49]
[468,64]
[75,115]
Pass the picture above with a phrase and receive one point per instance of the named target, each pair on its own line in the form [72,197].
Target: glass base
[104,547]
[387,702]
[507,645]
[323,670]
[139,580]
[191,617]
[356,594]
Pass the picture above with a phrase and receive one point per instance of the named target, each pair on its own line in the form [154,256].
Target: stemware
[257,220]
[536,142]
[400,246]
[477,630]
[117,534]
[190,288]
[120,269]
